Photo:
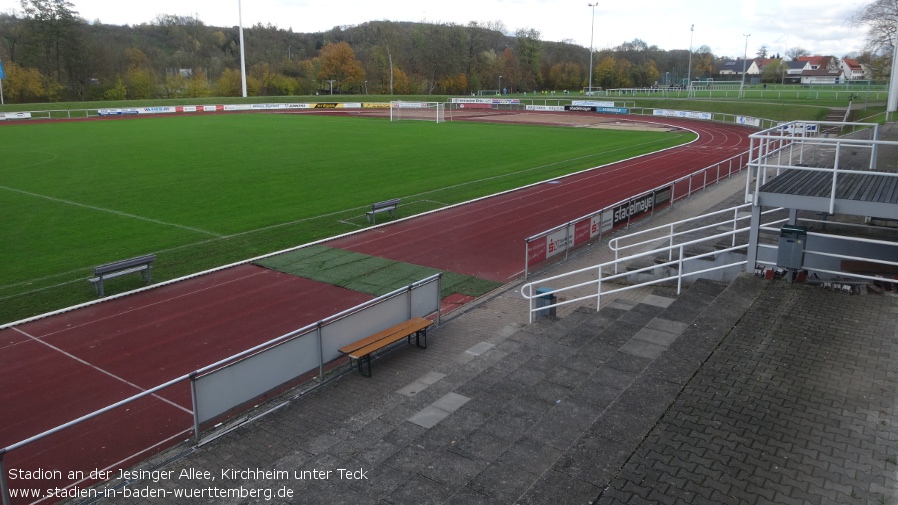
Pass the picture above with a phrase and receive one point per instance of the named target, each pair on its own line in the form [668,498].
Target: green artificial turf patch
[369,274]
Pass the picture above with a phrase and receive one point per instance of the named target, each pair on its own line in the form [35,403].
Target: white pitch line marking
[110,374]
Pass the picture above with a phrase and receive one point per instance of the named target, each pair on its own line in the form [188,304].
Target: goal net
[420,111]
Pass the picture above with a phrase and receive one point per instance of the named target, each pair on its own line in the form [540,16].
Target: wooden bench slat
[360,351]
[389,339]
[348,348]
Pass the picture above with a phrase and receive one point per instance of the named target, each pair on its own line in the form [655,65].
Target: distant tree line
[51,54]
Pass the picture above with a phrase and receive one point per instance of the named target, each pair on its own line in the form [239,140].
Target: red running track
[486,238]
[59,368]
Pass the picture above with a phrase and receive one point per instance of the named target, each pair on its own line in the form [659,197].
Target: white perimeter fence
[225,386]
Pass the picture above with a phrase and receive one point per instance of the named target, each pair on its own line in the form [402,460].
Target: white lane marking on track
[105,372]
[141,307]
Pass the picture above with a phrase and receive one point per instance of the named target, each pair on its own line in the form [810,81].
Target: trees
[567,76]
[880,16]
[54,38]
[337,62]
[528,49]
[775,71]
[179,56]
[23,85]
[797,52]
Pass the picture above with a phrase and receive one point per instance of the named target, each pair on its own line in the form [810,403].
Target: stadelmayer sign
[587,229]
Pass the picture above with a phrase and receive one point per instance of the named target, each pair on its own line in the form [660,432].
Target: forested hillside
[51,54]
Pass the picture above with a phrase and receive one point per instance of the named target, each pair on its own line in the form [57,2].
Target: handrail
[614,243]
[797,135]
[742,163]
[601,280]
[527,290]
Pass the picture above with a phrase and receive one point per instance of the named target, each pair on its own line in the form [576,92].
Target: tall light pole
[500,86]
[591,34]
[242,51]
[744,65]
[3,76]
[689,70]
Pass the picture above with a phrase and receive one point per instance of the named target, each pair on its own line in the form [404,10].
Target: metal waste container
[544,298]
[790,253]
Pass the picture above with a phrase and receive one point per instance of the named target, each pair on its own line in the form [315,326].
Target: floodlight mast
[744,65]
[689,70]
[591,45]
[242,51]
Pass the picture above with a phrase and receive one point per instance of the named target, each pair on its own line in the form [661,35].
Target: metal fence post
[4,487]
[195,403]
[526,258]
[320,353]
[439,292]
[567,241]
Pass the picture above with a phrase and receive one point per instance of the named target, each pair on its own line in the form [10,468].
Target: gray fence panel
[233,385]
[361,324]
[425,299]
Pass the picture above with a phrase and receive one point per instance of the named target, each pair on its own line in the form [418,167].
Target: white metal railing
[675,250]
[602,220]
[601,275]
[673,231]
[795,145]
[839,256]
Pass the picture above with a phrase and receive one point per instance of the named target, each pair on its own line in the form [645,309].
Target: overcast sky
[820,26]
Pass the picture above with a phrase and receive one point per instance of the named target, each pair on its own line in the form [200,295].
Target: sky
[820,26]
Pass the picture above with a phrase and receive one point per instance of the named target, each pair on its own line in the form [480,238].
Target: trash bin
[544,298]
[790,253]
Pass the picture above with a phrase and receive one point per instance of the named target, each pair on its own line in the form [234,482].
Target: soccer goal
[420,111]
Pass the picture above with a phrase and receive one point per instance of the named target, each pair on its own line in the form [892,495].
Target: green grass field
[203,191]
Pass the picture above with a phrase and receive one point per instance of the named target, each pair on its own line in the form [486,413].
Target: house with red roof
[854,70]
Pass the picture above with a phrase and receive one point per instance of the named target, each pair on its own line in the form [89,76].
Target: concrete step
[638,355]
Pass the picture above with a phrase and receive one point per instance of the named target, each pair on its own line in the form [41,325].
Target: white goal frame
[418,111]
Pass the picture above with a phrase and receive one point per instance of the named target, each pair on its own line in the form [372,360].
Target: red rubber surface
[486,238]
[59,368]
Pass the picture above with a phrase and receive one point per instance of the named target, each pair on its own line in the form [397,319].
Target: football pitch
[204,191]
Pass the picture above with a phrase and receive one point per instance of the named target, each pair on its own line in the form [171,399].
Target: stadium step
[637,357]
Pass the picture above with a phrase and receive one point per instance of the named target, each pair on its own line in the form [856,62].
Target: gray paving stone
[429,416]
[658,301]
[661,338]
[770,393]
[451,402]
[624,305]
[642,348]
[421,384]
[667,325]
[480,348]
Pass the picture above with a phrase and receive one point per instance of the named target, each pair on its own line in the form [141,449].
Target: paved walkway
[755,392]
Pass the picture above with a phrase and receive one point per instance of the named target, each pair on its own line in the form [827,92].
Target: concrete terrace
[753,392]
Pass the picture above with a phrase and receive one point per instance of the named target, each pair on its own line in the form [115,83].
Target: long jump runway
[60,368]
